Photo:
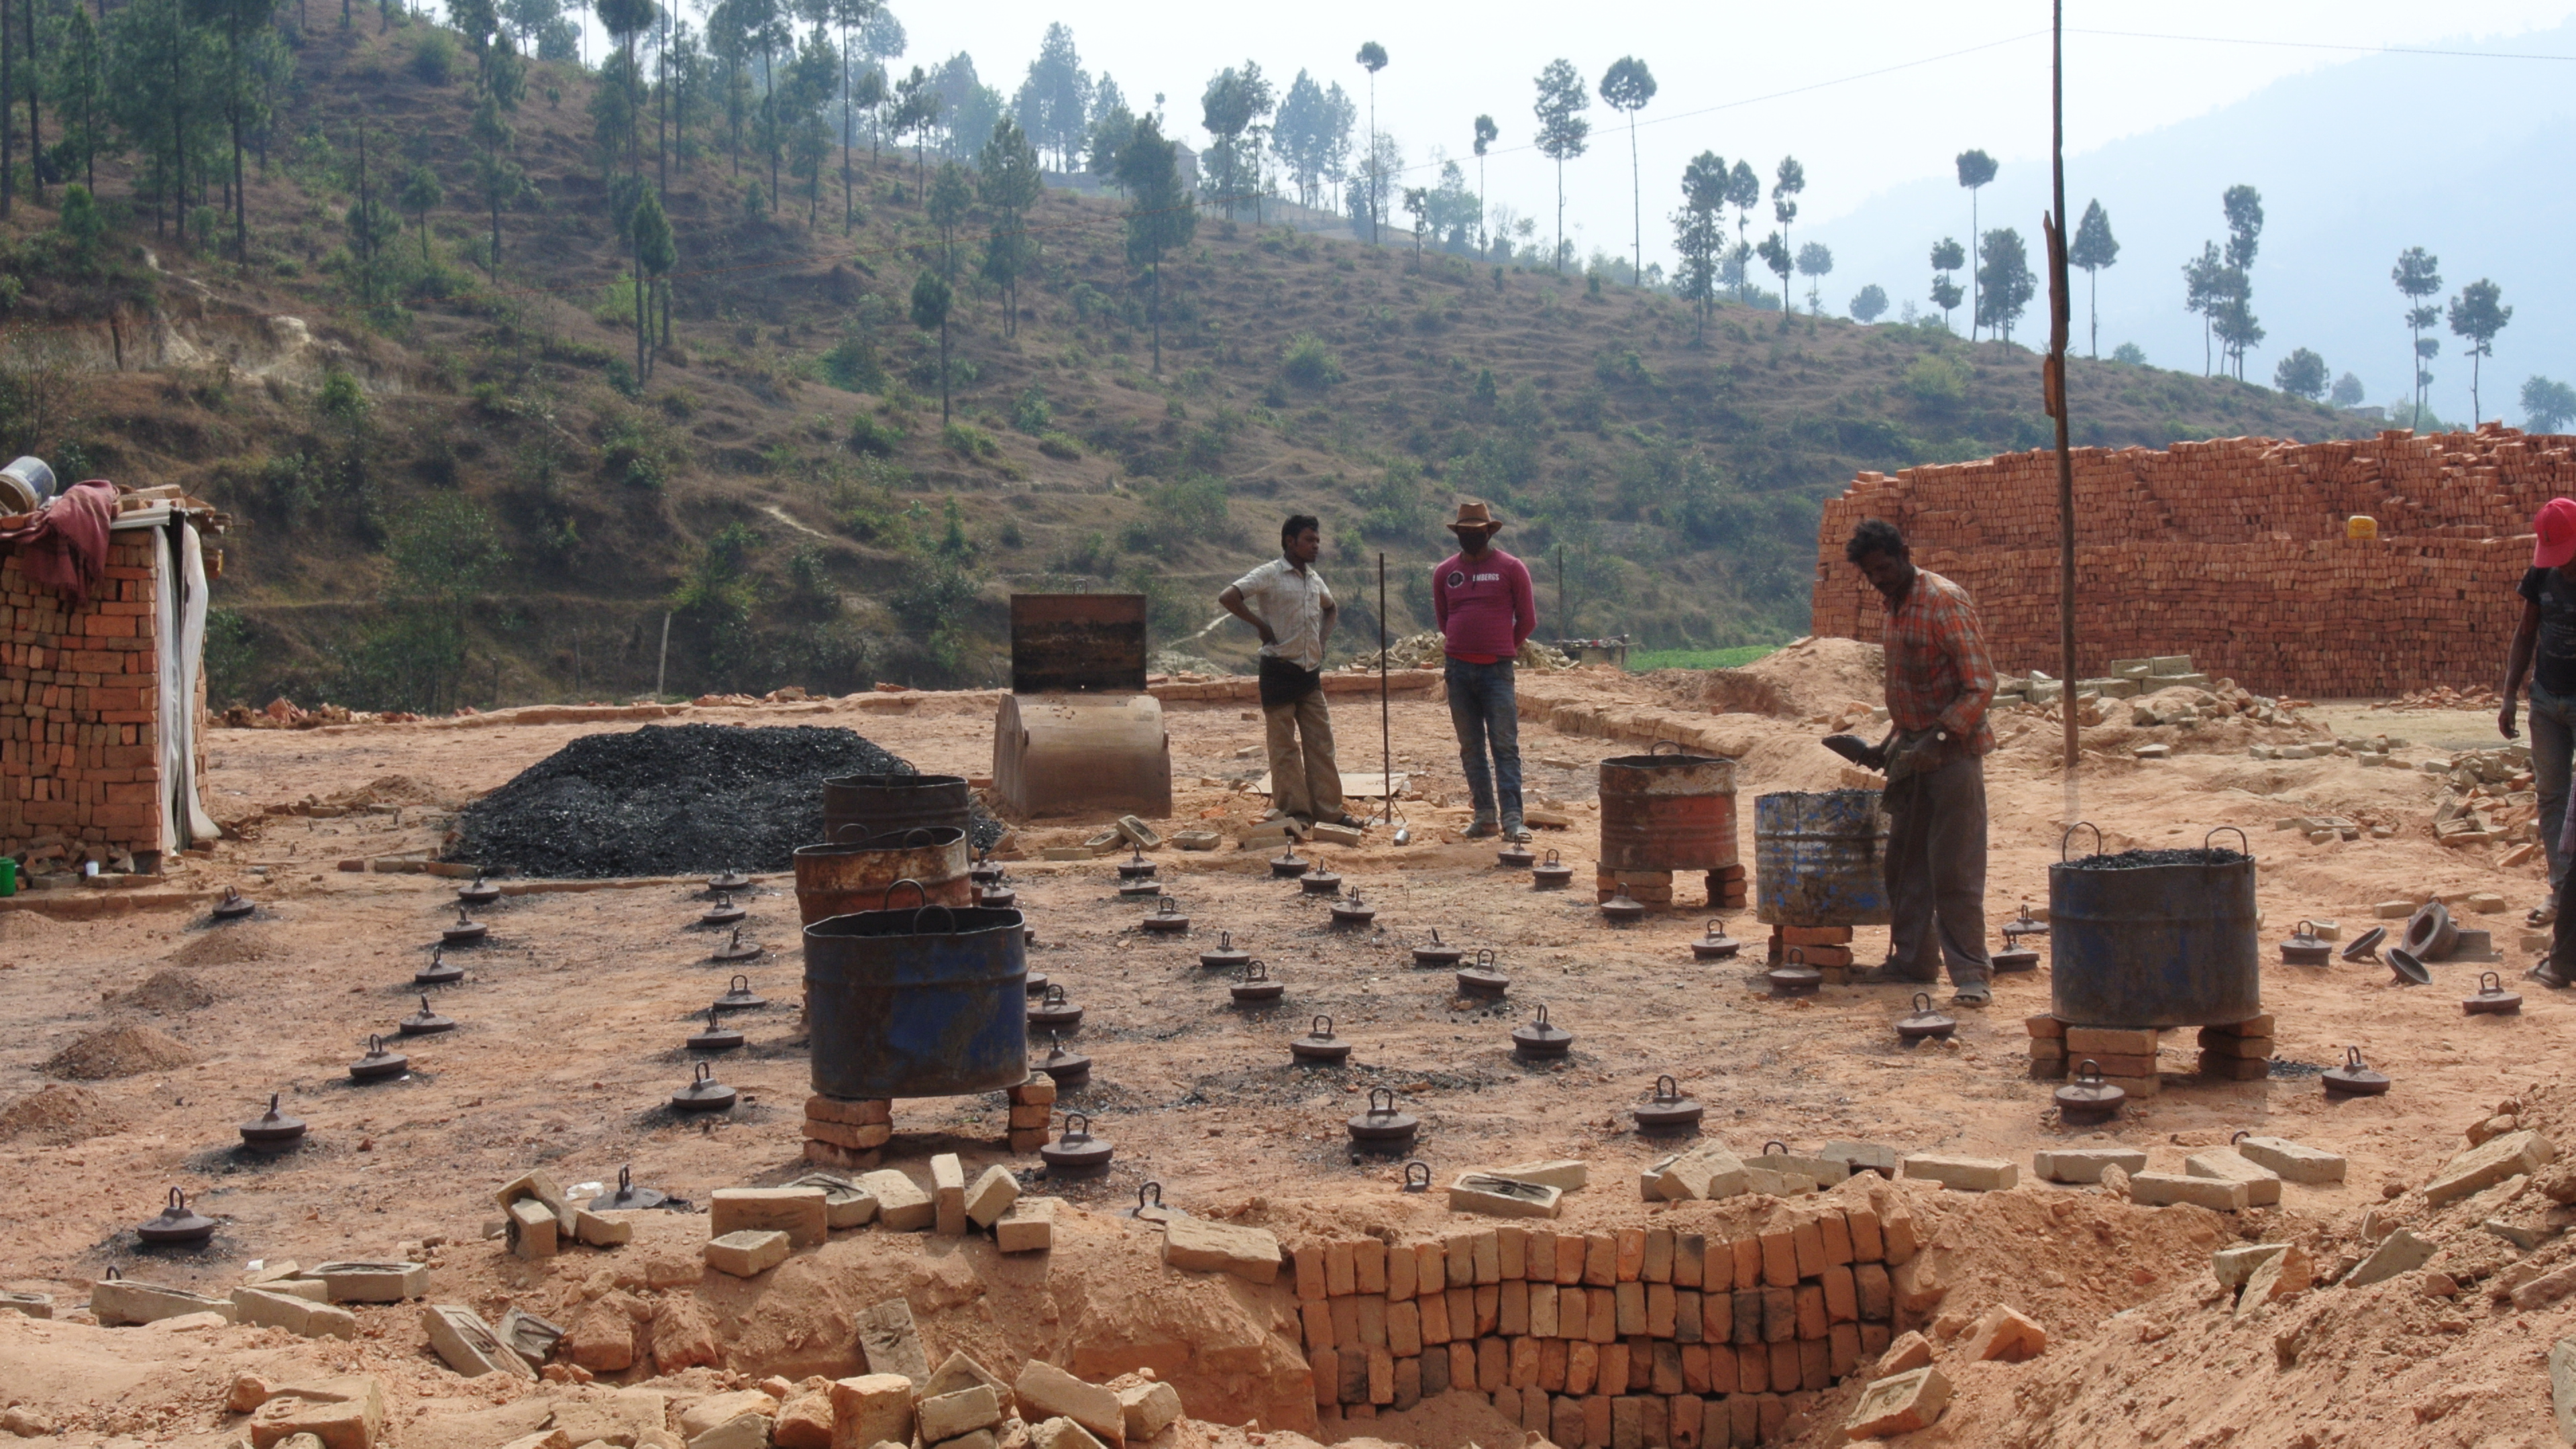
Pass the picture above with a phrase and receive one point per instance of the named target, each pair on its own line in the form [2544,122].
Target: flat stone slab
[2291,1162]
[901,1204]
[2399,1252]
[2084,1164]
[1027,1226]
[2235,1265]
[1899,1404]
[1502,1197]
[128,1301]
[1251,1254]
[749,1253]
[1963,1174]
[469,1345]
[355,1282]
[2482,1167]
[2166,1189]
[1859,1157]
[1562,1173]
[2262,1187]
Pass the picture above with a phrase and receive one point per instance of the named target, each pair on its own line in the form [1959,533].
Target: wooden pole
[2060,310]
[1385,714]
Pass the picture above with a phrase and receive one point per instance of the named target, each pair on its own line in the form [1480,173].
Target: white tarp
[179,607]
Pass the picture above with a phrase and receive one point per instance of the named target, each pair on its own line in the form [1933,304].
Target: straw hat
[1475,518]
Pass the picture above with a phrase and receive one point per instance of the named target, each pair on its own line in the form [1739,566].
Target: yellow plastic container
[2361,526]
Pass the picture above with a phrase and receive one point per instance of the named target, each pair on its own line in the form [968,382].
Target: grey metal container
[1820,859]
[2154,945]
[917,1002]
[882,803]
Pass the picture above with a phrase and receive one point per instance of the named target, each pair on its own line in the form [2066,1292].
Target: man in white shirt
[1288,604]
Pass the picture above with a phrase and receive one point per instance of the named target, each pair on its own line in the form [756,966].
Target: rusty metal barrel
[1667,811]
[1820,859]
[918,1001]
[854,873]
[881,803]
[2154,937]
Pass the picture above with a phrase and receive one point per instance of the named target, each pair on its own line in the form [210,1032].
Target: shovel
[1855,749]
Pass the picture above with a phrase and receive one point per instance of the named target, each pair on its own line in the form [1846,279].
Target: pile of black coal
[672,800]
[2140,859]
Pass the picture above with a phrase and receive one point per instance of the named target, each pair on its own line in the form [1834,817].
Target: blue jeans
[1483,709]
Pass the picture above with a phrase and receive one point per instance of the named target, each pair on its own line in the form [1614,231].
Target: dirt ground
[574,1011]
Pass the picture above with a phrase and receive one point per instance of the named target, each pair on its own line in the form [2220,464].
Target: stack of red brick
[2232,551]
[1653,889]
[80,759]
[1654,1337]
[851,1133]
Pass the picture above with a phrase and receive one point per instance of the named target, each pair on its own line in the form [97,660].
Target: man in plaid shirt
[1939,683]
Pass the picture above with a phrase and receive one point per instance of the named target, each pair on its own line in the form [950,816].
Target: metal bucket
[847,877]
[917,1002]
[1667,811]
[880,803]
[1820,859]
[2154,945]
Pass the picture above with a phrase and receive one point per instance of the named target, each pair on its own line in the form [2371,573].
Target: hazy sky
[1746,83]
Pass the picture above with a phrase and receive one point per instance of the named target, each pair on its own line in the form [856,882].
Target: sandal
[2539,916]
[1975,993]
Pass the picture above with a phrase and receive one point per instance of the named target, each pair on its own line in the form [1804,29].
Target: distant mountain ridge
[2356,162]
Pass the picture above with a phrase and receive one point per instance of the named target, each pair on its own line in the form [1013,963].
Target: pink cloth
[1483,605]
[65,548]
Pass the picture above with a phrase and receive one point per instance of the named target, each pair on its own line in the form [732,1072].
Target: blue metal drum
[1820,859]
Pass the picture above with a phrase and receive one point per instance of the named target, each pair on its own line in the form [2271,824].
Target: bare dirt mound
[394,790]
[165,993]
[119,1051]
[1810,677]
[19,927]
[57,1113]
[230,946]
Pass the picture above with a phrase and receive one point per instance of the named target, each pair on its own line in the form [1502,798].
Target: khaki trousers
[1936,873]
[1304,782]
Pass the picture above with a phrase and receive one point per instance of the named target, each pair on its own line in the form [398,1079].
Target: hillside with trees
[733,358]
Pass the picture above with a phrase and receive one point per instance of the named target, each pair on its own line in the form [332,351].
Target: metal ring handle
[1374,1109]
[1485,959]
[1225,940]
[1793,953]
[1716,927]
[1435,938]
[2352,1057]
[1659,746]
[1071,1131]
[2305,928]
[1551,858]
[704,1073]
[887,900]
[178,1200]
[1666,1089]
[2092,1066]
[1256,971]
[834,835]
[739,983]
[2239,834]
[1321,1026]
[1054,995]
[2485,977]
[2098,846]
[1167,906]
[2241,1135]
[1155,1188]
[375,1045]
[1542,1013]
[1410,1184]
[1922,1003]
[1767,1146]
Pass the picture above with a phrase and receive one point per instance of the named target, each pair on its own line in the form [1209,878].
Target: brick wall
[2233,552]
[1635,1338]
[79,691]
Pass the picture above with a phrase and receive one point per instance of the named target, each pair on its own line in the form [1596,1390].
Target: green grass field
[1641,660]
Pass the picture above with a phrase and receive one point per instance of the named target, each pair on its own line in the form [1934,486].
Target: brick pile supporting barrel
[80,757]
[2233,551]
[851,1133]
[1636,1338]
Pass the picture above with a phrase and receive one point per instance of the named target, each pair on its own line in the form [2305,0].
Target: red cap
[2556,530]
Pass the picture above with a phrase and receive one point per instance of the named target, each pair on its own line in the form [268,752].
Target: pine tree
[1699,235]
[2094,249]
[1160,216]
[1562,131]
[1010,182]
[1626,87]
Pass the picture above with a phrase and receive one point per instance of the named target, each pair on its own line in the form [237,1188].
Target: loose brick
[2292,1162]
[2163,1189]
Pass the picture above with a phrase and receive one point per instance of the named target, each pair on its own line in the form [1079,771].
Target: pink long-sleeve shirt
[1484,606]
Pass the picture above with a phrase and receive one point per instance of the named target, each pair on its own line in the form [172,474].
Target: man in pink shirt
[1481,596]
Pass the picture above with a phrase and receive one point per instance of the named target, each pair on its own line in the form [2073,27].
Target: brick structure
[82,718]
[1646,1337]
[2232,551]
